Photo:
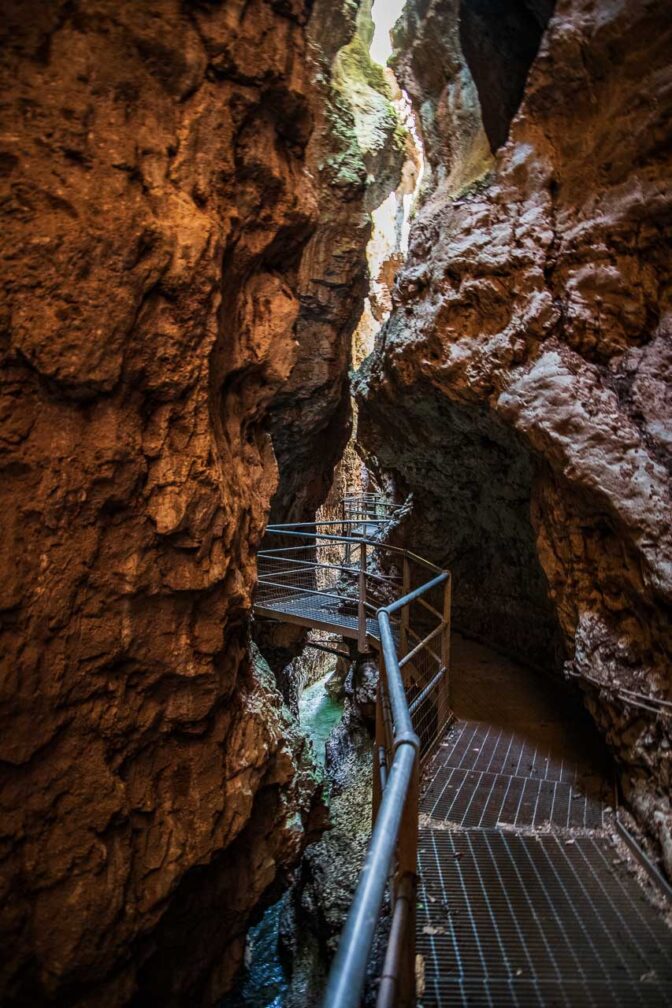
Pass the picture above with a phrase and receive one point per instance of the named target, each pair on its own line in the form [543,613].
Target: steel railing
[383,596]
[366,507]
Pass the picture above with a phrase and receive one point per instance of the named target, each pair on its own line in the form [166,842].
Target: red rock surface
[521,389]
[355,158]
[155,205]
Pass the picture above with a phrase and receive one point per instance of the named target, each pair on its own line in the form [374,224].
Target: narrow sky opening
[385,13]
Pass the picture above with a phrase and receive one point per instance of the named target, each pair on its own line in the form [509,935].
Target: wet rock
[326,883]
[330,868]
[520,390]
[362,688]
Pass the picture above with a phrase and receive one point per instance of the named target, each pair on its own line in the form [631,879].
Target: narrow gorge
[308,305]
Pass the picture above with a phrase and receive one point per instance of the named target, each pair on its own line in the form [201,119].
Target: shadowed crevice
[500,39]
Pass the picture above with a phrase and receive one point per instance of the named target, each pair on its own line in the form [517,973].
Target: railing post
[381,744]
[361,640]
[445,643]
[406,886]
[406,611]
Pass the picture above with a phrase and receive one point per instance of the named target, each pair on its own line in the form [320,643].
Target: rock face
[521,388]
[355,155]
[157,205]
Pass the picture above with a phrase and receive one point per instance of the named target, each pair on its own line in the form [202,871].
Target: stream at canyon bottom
[264,983]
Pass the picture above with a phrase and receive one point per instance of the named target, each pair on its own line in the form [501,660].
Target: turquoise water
[319,714]
[264,984]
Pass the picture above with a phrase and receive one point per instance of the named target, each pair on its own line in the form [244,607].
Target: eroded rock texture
[521,389]
[355,155]
[156,207]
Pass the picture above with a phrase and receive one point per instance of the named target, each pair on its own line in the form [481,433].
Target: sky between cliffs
[385,13]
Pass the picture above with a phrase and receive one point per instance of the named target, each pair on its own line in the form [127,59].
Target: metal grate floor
[520,901]
[472,745]
[314,611]
[507,919]
[546,994]
[477,799]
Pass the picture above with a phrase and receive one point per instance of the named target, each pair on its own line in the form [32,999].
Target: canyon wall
[521,390]
[355,156]
[156,209]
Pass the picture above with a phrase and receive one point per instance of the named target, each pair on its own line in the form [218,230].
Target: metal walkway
[315,612]
[523,899]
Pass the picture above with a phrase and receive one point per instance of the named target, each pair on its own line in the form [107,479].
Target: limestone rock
[156,204]
[521,390]
[355,155]
[329,873]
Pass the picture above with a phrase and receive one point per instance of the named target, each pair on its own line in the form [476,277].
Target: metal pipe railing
[315,524]
[306,565]
[348,972]
[429,688]
[390,982]
[407,729]
[290,530]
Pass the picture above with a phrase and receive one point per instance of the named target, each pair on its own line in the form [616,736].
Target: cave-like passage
[388,243]
[522,896]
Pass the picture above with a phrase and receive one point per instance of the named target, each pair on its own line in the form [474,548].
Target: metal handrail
[320,524]
[365,495]
[399,753]
[375,499]
[289,530]
[348,972]
[304,565]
